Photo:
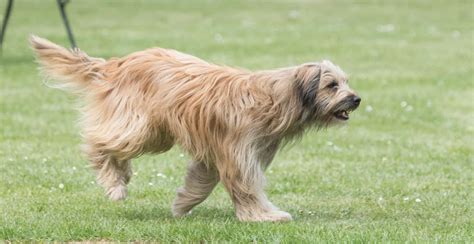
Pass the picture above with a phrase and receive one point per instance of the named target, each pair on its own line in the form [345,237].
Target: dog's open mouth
[342,114]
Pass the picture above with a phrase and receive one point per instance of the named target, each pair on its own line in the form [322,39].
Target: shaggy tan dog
[231,121]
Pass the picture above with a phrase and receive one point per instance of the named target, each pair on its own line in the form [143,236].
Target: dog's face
[325,93]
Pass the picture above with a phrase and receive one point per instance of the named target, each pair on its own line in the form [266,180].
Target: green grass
[395,173]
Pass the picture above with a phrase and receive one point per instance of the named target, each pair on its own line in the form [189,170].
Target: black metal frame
[5,21]
[61,5]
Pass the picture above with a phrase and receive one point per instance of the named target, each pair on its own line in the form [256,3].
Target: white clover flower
[218,38]
[429,104]
[456,34]
[294,14]
[386,28]
[369,108]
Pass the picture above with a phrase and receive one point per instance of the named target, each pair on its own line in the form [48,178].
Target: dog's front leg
[244,181]
[199,183]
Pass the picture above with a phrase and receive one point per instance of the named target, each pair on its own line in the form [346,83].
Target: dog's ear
[307,78]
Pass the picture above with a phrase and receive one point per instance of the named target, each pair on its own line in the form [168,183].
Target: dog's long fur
[231,121]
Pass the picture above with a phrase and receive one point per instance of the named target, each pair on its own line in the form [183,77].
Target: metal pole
[5,22]
[62,5]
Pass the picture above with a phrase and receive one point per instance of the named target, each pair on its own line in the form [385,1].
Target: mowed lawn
[400,170]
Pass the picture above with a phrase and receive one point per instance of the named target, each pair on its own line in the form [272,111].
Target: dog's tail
[75,69]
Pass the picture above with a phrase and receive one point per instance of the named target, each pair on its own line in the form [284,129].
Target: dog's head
[324,92]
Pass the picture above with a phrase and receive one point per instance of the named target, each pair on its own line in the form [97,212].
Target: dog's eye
[333,85]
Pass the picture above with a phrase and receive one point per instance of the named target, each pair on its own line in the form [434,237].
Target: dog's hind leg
[112,139]
[113,174]
[114,177]
[199,183]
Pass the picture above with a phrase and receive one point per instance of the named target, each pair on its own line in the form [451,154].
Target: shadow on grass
[164,214]
[209,214]
[145,213]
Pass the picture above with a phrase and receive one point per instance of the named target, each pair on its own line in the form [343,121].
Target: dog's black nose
[356,100]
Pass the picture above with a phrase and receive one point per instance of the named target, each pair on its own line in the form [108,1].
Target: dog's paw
[271,216]
[117,193]
[178,212]
[179,209]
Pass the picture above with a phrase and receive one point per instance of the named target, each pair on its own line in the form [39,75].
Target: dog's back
[78,72]
[146,101]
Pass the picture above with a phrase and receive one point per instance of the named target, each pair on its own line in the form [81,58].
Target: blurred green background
[401,170]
